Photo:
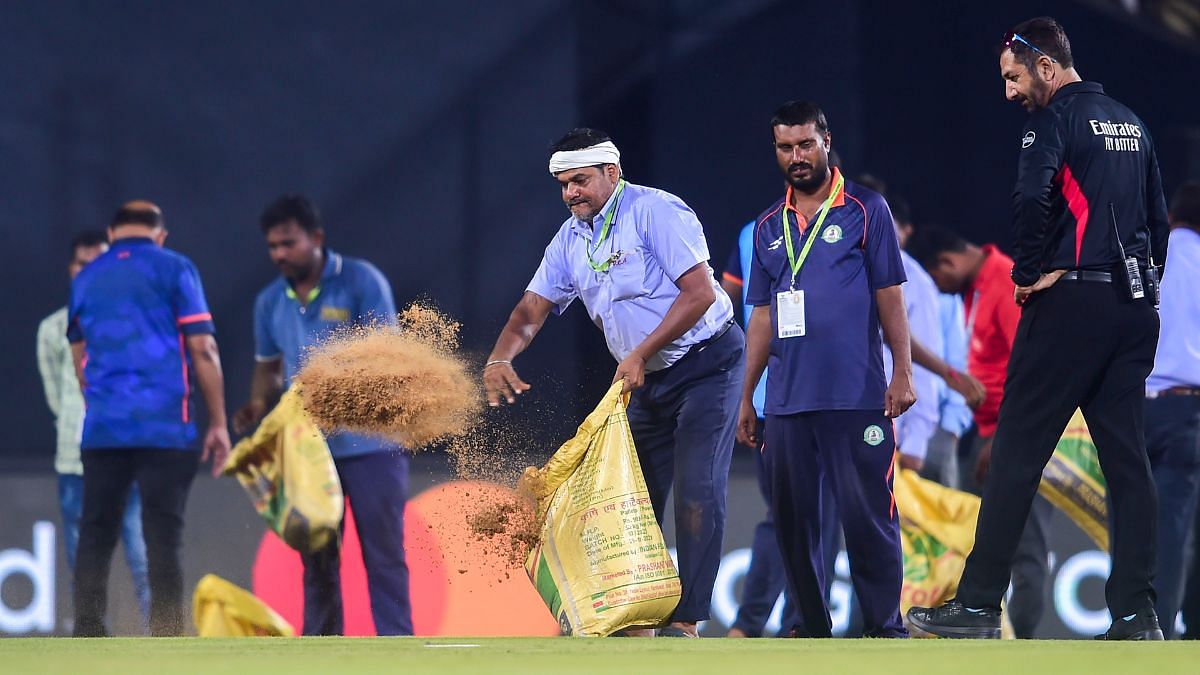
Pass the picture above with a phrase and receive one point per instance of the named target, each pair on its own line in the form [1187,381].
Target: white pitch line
[451,646]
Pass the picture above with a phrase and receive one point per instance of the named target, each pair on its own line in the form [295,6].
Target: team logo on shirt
[775,244]
[873,435]
[338,314]
[832,234]
[1028,139]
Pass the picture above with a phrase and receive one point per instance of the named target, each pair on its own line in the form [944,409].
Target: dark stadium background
[422,130]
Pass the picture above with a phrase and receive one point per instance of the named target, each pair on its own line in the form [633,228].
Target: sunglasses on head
[1011,36]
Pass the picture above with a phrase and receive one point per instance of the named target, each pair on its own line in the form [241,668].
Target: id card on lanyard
[789,312]
[789,304]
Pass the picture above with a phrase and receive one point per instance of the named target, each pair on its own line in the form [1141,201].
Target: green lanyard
[312,294]
[608,218]
[795,262]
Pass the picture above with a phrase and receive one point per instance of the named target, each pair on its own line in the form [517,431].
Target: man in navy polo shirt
[139,325]
[826,275]
[319,291]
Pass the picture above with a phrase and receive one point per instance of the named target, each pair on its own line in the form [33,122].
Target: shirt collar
[333,265]
[1079,88]
[131,241]
[333,268]
[587,228]
[839,201]
[993,267]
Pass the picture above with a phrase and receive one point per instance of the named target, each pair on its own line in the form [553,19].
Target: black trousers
[164,477]
[1031,564]
[1087,345]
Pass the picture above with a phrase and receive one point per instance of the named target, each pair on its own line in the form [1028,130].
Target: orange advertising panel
[457,585]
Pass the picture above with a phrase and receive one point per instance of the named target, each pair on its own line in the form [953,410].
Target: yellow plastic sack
[602,564]
[1073,481]
[221,609]
[937,531]
[286,468]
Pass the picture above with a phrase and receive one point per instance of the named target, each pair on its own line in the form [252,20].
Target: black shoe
[1142,626]
[954,620]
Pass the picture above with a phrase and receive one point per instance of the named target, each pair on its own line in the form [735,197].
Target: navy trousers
[377,486]
[766,579]
[683,421]
[1173,443]
[852,451]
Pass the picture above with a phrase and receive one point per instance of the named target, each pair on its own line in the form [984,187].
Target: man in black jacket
[1088,217]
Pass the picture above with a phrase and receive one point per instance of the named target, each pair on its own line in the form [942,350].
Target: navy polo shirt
[838,363]
[133,308]
[351,291]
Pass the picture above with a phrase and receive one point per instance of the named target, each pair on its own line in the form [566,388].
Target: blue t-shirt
[736,271]
[350,291]
[838,363]
[134,307]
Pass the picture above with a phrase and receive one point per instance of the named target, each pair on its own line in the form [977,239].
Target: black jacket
[1080,154]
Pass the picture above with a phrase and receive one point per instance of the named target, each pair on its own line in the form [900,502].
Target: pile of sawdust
[402,382]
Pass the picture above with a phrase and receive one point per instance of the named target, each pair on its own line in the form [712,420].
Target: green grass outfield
[530,656]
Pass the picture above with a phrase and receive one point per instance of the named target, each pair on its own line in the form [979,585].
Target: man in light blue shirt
[638,259]
[319,291]
[956,417]
[940,462]
[1173,406]
[939,364]
[917,425]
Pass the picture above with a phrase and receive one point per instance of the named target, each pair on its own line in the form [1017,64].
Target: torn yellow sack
[602,564]
[937,531]
[221,609]
[1073,481]
[286,469]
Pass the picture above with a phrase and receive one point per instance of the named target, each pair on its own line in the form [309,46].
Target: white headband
[601,153]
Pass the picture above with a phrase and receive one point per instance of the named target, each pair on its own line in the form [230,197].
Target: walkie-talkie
[1153,282]
[1132,271]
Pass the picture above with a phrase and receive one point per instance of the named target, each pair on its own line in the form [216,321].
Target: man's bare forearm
[206,361]
[267,382]
[696,295]
[523,324]
[894,320]
[928,360]
[78,352]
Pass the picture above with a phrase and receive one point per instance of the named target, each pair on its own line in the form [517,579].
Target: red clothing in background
[992,318]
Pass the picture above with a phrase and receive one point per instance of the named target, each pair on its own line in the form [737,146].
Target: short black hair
[1046,34]
[1185,204]
[930,241]
[135,216]
[288,208]
[87,239]
[797,113]
[872,182]
[901,212]
[578,139]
